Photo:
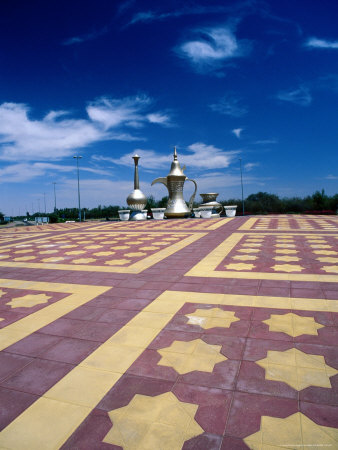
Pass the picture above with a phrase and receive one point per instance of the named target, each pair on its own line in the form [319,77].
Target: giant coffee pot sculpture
[174,182]
[136,199]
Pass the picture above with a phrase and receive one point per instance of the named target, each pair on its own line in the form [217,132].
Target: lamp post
[54,182]
[240,162]
[78,183]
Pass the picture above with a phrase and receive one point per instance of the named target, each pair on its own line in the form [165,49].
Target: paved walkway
[201,334]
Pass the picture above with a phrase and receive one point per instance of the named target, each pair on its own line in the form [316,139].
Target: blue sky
[221,80]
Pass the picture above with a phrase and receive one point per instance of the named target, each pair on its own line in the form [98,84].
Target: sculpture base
[137,215]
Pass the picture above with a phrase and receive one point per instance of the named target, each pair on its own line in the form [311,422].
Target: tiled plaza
[196,334]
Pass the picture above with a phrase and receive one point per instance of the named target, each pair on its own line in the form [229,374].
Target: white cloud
[56,136]
[300,96]
[250,166]
[85,37]
[321,43]
[237,132]
[266,141]
[229,105]
[19,173]
[199,156]
[129,111]
[331,177]
[212,48]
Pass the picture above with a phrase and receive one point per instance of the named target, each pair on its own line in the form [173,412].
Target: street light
[54,182]
[240,162]
[78,183]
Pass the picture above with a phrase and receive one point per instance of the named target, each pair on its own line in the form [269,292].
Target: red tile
[256,349]
[274,291]
[117,316]
[70,350]
[12,404]
[251,378]
[85,313]
[63,327]
[213,405]
[205,441]
[98,331]
[37,377]
[146,366]
[324,415]
[125,389]
[259,330]
[10,363]
[223,376]
[307,293]
[90,433]
[246,411]
[33,345]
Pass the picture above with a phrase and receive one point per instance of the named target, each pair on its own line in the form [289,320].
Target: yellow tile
[74,387]
[112,358]
[46,424]
[134,336]
[293,324]
[150,320]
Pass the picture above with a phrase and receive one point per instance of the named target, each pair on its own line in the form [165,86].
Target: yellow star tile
[239,266]
[285,245]
[83,260]
[75,252]
[328,259]
[27,301]
[186,357]
[287,268]
[320,246]
[285,251]
[68,246]
[295,431]
[211,318]
[149,248]
[245,244]
[84,242]
[24,258]
[23,251]
[286,258]
[135,254]
[92,247]
[325,252]
[333,269]
[2,293]
[48,252]
[120,247]
[245,257]
[248,250]
[297,369]
[159,422]
[293,325]
[104,253]
[53,259]
[117,262]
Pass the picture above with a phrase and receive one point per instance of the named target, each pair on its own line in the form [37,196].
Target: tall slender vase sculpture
[136,199]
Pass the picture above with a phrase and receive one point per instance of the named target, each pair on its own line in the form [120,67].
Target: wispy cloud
[331,177]
[266,141]
[229,105]
[250,166]
[211,48]
[18,173]
[56,136]
[314,42]
[237,132]
[197,156]
[85,37]
[129,111]
[152,15]
[300,96]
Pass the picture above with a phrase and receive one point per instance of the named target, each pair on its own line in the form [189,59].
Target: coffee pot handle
[192,198]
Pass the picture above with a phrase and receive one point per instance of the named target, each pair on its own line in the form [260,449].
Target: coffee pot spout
[162,180]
